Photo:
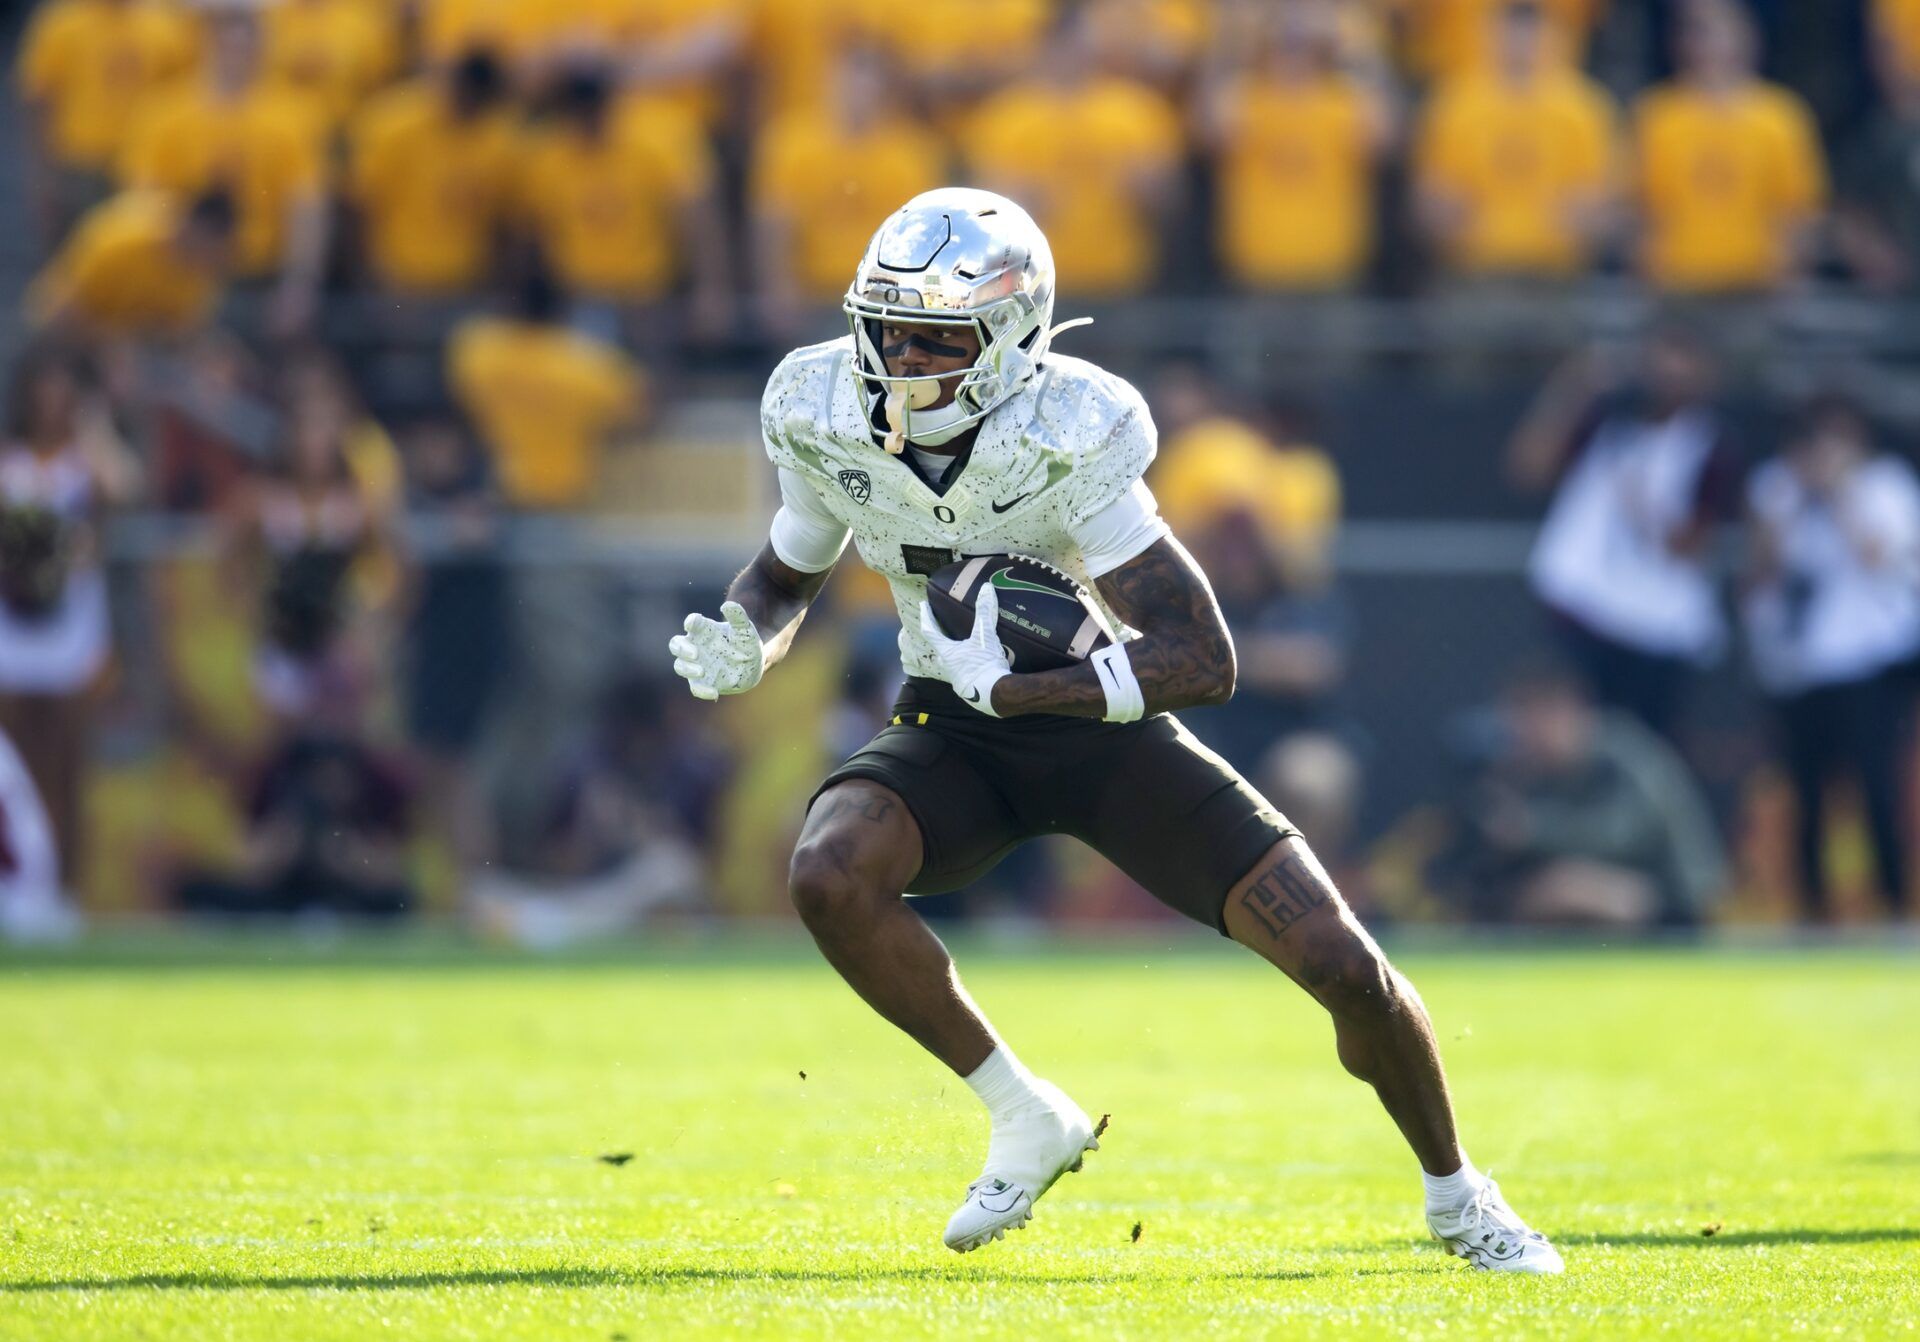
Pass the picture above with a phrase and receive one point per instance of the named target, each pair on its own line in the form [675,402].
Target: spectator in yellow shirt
[84,67]
[1091,156]
[544,399]
[1296,142]
[795,47]
[980,45]
[513,32]
[616,195]
[431,173]
[1515,167]
[265,144]
[1158,42]
[823,180]
[1449,39]
[1731,174]
[142,264]
[1221,457]
[682,52]
[335,52]
[1894,42]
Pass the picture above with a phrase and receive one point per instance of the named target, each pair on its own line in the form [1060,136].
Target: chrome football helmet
[954,257]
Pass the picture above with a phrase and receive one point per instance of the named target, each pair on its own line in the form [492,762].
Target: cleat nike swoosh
[1012,503]
[1010,1197]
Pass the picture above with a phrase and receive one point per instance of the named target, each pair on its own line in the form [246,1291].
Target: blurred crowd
[380,679]
[1581,797]
[706,167]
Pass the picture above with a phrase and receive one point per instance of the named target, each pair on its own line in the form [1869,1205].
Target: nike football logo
[1013,503]
[972,696]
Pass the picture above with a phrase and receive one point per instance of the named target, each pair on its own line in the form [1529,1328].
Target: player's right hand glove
[975,664]
[717,657]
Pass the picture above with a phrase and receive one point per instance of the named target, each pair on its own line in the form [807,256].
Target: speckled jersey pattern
[1069,443]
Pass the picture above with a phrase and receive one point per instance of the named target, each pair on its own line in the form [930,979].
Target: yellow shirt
[1178,27]
[1296,183]
[1722,184]
[513,30]
[92,63]
[1449,39]
[658,24]
[333,51]
[795,43]
[1897,24]
[975,43]
[118,272]
[605,212]
[267,148]
[1070,158]
[431,189]
[834,188]
[1222,465]
[543,399]
[1519,160]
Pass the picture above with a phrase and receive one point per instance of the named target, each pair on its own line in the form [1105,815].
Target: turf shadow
[1737,1238]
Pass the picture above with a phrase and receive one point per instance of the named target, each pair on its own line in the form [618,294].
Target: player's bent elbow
[1226,677]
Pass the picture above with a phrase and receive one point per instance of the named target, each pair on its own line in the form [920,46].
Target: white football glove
[718,657]
[975,664]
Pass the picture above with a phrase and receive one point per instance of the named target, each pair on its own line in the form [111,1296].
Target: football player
[944,425]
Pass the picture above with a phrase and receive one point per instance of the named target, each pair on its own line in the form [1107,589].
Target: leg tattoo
[1283,894]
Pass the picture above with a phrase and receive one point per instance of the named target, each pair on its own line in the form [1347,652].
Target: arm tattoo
[1183,658]
[1283,894]
[863,804]
[775,598]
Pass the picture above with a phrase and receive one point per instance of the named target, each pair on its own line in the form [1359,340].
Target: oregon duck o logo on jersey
[858,484]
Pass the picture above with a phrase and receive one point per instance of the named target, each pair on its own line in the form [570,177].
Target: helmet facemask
[902,406]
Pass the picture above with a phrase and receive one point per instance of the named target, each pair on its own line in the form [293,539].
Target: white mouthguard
[902,397]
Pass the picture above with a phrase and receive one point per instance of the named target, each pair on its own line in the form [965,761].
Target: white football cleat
[1025,1156]
[1490,1235]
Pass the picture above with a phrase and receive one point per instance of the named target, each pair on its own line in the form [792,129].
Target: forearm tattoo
[1183,658]
[1285,893]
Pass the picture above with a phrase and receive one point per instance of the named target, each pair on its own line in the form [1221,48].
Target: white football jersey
[1053,458]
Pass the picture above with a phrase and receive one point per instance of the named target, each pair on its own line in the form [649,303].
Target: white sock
[1003,1084]
[1450,1192]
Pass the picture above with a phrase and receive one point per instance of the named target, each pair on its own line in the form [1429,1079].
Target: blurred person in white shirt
[62,465]
[1832,613]
[1642,473]
[32,907]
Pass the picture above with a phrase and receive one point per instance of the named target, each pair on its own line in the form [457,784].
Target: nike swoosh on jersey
[1012,503]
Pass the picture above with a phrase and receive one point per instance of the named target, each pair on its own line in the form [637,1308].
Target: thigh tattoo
[863,804]
[1285,893]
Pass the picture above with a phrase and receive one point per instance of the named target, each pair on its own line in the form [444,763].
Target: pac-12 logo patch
[858,484]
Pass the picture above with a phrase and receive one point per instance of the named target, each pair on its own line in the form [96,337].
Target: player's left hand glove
[717,657]
[975,664]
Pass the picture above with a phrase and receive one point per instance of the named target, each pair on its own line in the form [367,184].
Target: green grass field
[268,1143]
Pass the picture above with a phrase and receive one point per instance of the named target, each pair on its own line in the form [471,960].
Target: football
[1047,620]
